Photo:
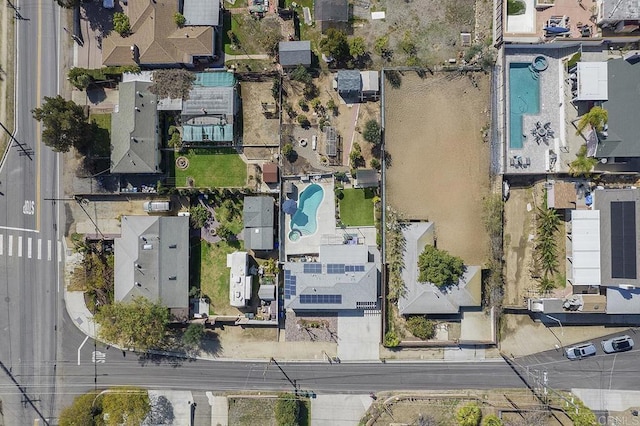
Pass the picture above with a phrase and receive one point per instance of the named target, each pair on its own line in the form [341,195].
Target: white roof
[585,239]
[592,81]
[239,282]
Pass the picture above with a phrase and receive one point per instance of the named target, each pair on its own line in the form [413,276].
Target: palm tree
[582,165]
[597,117]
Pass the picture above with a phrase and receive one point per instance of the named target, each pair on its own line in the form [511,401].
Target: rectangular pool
[524,98]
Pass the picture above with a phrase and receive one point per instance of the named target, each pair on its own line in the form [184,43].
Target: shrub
[375,163]
[439,267]
[198,215]
[287,410]
[310,91]
[491,420]
[372,132]
[179,19]
[515,7]
[287,150]
[303,105]
[301,74]
[421,327]
[469,415]
[391,339]
[303,121]
[121,24]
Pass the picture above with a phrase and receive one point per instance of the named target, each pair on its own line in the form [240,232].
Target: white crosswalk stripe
[1,244]
[29,248]
[10,245]
[8,248]
[49,250]
[59,251]
[19,246]
[39,249]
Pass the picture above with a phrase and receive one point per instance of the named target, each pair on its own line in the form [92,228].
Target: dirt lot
[257,128]
[439,168]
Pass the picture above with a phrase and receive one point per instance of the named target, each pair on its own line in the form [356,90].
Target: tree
[121,24]
[491,420]
[301,74]
[335,44]
[357,47]
[421,327]
[79,78]
[193,334]
[126,406]
[275,88]
[139,323]
[381,44]
[331,106]
[287,410]
[310,91]
[469,415]
[596,118]
[176,140]
[303,121]
[287,150]
[172,83]
[375,164]
[439,267]
[355,156]
[582,165]
[82,411]
[64,124]
[407,45]
[198,215]
[179,19]
[223,231]
[372,132]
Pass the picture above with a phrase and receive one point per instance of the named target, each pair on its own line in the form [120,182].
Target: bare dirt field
[439,168]
[257,128]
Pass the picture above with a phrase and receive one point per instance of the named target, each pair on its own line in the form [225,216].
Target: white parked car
[581,351]
[617,344]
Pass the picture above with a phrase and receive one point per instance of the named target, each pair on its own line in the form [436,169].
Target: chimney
[137,109]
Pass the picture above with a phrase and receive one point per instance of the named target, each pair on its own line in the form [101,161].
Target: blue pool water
[304,220]
[524,98]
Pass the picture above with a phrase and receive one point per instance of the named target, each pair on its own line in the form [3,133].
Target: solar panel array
[335,268]
[289,284]
[312,268]
[623,240]
[354,268]
[331,146]
[321,298]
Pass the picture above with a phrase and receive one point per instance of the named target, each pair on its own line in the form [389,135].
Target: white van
[156,206]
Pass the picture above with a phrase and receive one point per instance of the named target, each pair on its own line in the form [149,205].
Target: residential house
[258,223]
[425,298]
[294,53]
[240,282]
[201,13]
[152,261]
[345,277]
[331,14]
[356,86]
[209,114]
[621,16]
[135,142]
[156,41]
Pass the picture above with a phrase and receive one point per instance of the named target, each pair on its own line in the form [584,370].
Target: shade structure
[556,30]
[290,207]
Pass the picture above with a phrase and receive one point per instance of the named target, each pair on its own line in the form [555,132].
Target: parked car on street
[617,344]
[581,351]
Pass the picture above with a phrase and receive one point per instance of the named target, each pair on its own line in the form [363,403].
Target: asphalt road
[29,250]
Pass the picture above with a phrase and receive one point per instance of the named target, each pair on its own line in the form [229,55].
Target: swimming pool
[524,98]
[304,220]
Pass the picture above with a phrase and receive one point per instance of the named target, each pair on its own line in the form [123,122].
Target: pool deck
[533,157]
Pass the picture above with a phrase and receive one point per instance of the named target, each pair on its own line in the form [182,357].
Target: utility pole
[80,201]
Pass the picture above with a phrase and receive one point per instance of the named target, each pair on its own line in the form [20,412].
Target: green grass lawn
[214,274]
[215,168]
[245,28]
[356,207]
[101,147]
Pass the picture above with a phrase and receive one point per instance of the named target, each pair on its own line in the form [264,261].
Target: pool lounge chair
[527,161]
[512,162]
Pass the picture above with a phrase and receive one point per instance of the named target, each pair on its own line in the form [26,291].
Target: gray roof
[356,289]
[267,292]
[293,53]
[331,10]
[202,12]
[349,81]
[366,178]
[602,199]
[206,102]
[622,108]
[152,260]
[134,135]
[426,298]
[258,223]
[623,301]
[617,10]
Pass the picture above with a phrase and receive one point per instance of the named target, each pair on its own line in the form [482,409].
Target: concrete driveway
[339,410]
[359,336]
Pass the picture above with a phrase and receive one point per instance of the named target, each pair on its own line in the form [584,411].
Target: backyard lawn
[101,135]
[220,168]
[214,274]
[356,207]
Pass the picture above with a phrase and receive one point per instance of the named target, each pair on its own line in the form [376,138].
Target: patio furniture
[528,161]
[512,162]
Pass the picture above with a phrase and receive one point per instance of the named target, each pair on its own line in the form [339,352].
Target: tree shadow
[161,412]
[394,78]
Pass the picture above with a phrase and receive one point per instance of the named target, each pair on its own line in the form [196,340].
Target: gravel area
[295,330]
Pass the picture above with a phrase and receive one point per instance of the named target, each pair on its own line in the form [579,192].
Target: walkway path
[229,57]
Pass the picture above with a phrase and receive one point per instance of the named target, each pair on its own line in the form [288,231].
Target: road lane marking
[39,249]
[10,245]
[80,347]
[49,250]
[10,228]
[29,247]
[38,135]
[19,246]
[1,244]
[59,251]
[98,357]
